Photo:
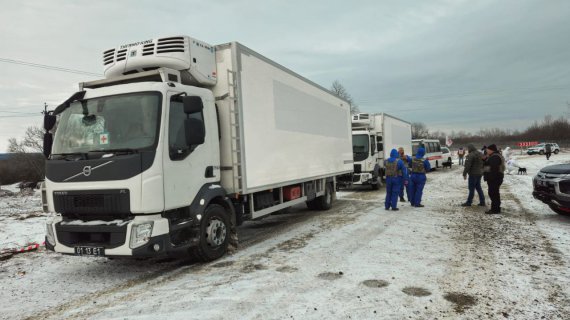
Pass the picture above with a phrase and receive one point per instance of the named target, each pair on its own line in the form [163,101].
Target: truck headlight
[50,237]
[140,234]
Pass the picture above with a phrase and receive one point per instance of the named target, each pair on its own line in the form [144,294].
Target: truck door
[186,167]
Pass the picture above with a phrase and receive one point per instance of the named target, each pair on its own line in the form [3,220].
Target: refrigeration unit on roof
[196,60]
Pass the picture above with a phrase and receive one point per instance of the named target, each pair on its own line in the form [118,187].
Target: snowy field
[356,261]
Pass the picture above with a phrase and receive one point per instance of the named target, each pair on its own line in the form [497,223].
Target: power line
[44,66]
[19,112]
[22,116]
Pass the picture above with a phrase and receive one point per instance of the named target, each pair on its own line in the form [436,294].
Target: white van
[433,151]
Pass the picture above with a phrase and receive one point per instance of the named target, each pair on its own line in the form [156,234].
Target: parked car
[551,185]
[539,148]
[446,155]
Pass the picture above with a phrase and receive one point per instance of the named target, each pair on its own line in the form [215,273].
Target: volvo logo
[87,171]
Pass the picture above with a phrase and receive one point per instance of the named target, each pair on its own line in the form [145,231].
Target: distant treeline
[18,167]
[547,130]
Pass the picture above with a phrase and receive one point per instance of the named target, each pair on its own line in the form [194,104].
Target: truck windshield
[360,146]
[120,122]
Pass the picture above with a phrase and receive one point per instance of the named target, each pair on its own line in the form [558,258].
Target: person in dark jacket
[396,175]
[418,177]
[406,159]
[493,171]
[548,150]
[474,169]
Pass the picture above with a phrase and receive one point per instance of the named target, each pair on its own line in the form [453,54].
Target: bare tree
[27,161]
[419,130]
[339,90]
[32,141]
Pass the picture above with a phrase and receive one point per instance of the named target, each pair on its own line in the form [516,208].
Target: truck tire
[556,151]
[215,229]
[376,186]
[325,201]
[541,152]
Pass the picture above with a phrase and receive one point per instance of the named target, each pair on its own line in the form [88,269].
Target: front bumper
[115,237]
[548,191]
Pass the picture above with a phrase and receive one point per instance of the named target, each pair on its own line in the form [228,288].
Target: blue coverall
[393,183]
[403,186]
[418,180]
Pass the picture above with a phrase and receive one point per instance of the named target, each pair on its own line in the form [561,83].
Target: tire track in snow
[93,303]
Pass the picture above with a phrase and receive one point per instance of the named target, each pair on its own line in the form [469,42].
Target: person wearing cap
[418,178]
[493,173]
[474,169]
[407,160]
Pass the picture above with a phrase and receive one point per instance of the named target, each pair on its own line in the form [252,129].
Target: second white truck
[373,137]
[183,141]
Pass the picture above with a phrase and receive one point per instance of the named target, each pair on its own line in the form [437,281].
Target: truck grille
[92,204]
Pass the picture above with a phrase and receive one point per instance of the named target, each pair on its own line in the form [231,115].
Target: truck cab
[367,149]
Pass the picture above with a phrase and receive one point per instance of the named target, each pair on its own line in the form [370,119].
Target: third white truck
[373,137]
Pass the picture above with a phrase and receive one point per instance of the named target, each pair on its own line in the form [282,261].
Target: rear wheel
[214,234]
[541,152]
[323,202]
[556,151]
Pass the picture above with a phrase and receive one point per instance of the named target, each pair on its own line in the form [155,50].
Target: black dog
[446,164]
[522,171]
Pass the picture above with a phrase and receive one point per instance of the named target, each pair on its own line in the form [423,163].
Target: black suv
[552,186]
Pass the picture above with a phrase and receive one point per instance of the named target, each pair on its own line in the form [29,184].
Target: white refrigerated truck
[373,137]
[183,141]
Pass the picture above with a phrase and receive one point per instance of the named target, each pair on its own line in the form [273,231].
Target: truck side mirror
[195,131]
[380,147]
[49,121]
[48,142]
[192,104]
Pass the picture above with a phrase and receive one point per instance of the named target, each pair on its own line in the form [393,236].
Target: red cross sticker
[104,138]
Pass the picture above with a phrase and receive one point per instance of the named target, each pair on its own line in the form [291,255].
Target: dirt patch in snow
[287,269]
[375,283]
[416,291]
[223,264]
[295,243]
[330,275]
[462,301]
[249,268]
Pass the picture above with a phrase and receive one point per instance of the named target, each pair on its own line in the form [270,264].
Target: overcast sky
[454,65]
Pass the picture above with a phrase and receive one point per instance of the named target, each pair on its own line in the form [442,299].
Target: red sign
[527,144]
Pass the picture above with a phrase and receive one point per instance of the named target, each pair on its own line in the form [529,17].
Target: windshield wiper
[69,156]
[116,151]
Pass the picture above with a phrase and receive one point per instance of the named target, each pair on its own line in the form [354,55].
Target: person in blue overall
[418,178]
[406,159]
[396,175]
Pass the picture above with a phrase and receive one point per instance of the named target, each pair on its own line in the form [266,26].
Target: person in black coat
[493,172]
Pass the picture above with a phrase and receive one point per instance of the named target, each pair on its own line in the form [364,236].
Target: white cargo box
[277,127]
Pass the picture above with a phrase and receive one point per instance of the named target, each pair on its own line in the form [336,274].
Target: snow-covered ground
[356,261]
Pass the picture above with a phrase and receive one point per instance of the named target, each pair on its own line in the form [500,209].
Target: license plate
[90,251]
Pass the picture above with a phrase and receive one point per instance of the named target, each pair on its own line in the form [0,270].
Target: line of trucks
[183,141]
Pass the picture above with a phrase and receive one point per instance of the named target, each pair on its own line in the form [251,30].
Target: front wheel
[559,210]
[214,234]
[541,152]
[556,151]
